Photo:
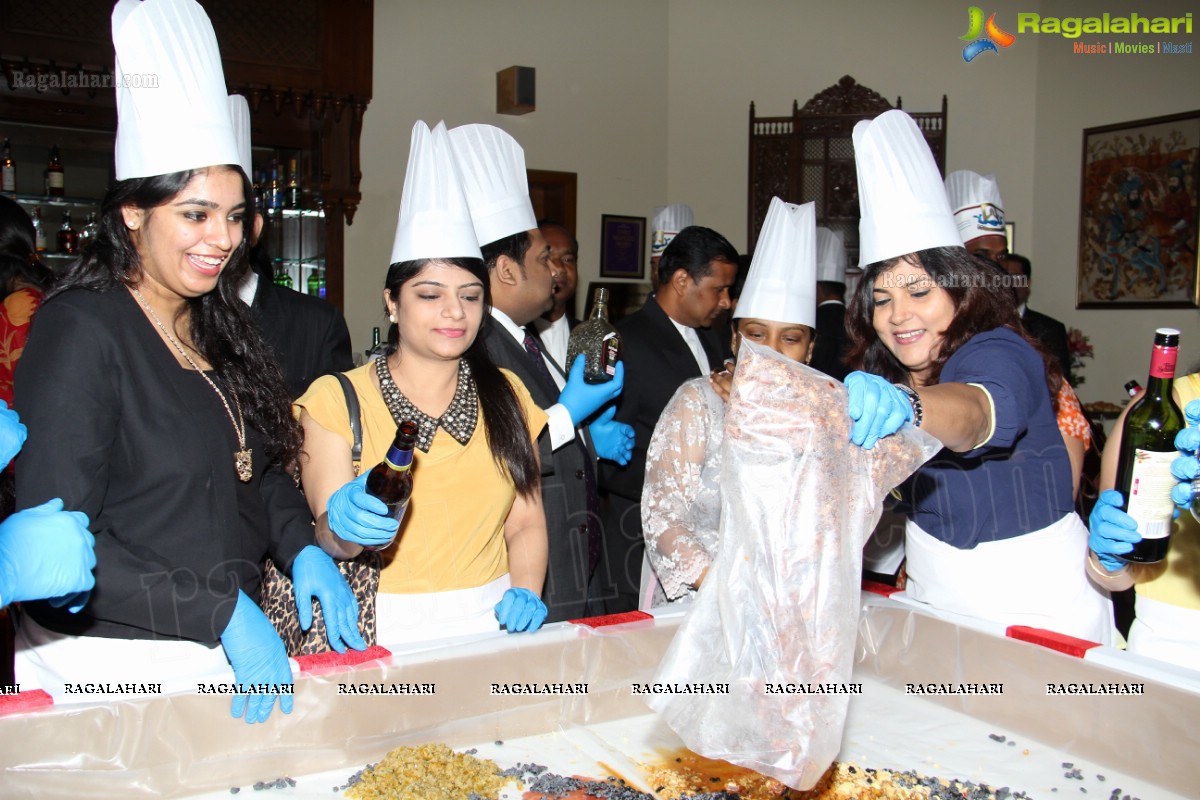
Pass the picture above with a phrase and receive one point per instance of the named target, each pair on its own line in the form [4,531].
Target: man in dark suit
[555,326]
[521,281]
[1047,330]
[664,344]
[832,340]
[307,334]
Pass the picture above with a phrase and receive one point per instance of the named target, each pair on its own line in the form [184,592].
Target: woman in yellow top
[1166,623]
[470,555]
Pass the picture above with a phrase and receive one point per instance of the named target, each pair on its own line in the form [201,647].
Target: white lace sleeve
[680,499]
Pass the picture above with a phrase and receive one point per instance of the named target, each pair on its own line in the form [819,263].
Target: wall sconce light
[515,91]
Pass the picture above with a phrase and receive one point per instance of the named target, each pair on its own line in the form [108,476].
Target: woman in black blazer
[154,407]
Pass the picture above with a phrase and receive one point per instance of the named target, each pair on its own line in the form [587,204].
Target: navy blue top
[1020,480]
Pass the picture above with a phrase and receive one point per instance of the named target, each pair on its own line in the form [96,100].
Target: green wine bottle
[1147,450]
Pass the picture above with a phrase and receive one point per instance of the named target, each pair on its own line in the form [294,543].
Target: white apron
[1166,632]
[49,660]
[410,618]
[1038,579]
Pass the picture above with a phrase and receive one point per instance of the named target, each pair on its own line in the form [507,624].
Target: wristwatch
[915,400]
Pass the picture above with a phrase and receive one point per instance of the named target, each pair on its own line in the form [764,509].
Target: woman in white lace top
[681,500]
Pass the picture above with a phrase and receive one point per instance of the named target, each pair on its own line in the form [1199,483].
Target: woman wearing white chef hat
[941,348]
[154,407]
[681,501]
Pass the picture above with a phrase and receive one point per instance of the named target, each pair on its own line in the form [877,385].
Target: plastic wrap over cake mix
[759,673]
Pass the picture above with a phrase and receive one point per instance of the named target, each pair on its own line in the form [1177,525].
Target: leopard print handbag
[279,604]
[361,574]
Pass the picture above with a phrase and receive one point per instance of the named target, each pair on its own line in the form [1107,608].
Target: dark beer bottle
[1147,450]
[391,480]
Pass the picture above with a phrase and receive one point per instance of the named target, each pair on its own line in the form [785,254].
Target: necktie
[589,469]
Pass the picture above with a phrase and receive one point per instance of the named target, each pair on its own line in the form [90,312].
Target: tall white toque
[976,203]
[239,115]
[831,256]
[172,106]
[782,283]
[492,165]
[668,222]
[900,192]
[434,219]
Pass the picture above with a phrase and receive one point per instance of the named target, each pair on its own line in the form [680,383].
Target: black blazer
[657,362]
[120,431]
[564,488]
[307,334]
[832,341]
[1051,333]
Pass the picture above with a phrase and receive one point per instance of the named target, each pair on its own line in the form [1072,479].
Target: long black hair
[507,429]
[221,327]
[19,262]
[982,302]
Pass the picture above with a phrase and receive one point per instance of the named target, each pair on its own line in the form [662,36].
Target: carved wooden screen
[809,156]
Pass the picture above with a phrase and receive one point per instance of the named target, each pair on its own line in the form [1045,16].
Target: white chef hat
[492,166]
[976,203]
[900,193]
[831,256]
[239,116]
[782,283]
[172,107]
[434,219]
[669,221]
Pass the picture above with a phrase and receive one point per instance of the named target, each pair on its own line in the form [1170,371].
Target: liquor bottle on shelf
[88,234]
[294,197]
[67,239]
[391,480]
[1132,388]
[598,341]
[316,283]
[275,188]
[282,276]
[376,349]
[55,177]
[1147,450]
[39,230]
[8,170]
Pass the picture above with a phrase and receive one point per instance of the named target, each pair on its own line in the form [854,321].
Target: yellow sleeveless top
[452,536]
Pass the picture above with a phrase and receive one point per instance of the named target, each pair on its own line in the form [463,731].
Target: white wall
[601,111]
[1084,91]
[648,100]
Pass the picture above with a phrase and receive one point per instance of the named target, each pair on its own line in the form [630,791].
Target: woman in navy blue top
[997,501]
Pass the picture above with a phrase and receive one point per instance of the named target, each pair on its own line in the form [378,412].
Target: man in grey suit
[521,283]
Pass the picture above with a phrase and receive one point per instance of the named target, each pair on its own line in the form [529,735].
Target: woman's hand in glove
[359,517]
[257,656]
[314,575]
[877,408]
[521,610]
[1112,532]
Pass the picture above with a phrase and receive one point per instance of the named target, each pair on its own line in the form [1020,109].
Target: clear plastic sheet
[780,604]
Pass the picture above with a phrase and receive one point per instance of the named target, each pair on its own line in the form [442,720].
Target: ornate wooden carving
[304,66]
[809,156]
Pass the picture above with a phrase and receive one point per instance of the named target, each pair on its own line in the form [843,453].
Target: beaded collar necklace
[458,420]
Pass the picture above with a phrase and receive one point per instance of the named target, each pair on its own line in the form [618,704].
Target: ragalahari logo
[977,45]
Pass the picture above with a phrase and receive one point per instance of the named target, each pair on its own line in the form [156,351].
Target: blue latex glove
[521,610]
[12,434]
[315,575]
[359,517]
[46,552]
[582,399]
[1186,467]
[257,655]
[1112,532]
[613,440]
[877,407]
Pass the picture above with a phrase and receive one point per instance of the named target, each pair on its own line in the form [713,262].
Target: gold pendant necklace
[241,457]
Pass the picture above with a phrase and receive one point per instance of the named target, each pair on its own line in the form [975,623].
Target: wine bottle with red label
[1147,450]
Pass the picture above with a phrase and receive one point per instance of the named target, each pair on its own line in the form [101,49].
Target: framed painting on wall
[622,246]
[1138,220]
